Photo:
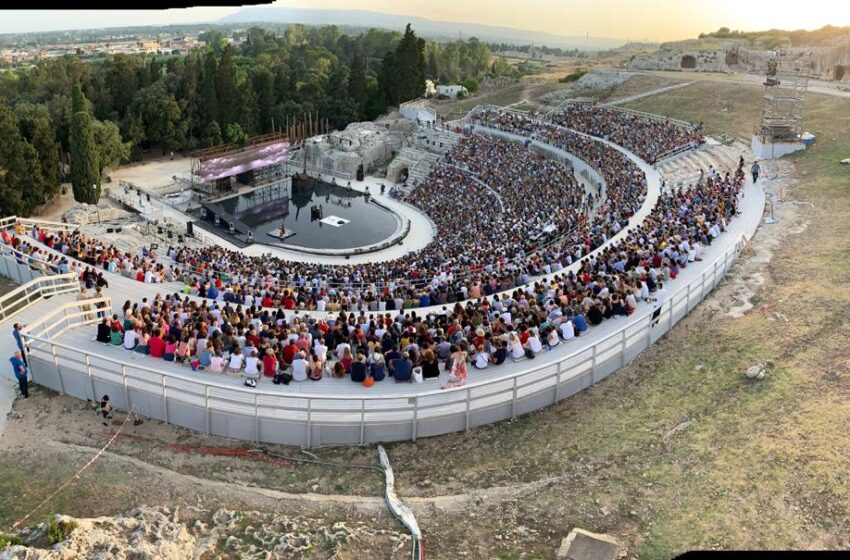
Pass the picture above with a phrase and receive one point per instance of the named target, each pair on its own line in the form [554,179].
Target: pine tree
[403,72]
[85,176]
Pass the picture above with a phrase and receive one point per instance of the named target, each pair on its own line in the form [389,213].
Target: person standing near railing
[16,334]
[20,371]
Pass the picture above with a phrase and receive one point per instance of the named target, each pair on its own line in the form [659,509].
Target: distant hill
[423,27]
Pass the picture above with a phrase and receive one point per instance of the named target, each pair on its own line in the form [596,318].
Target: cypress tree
[85,175]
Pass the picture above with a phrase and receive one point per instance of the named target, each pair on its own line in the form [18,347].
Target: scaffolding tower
[785,85]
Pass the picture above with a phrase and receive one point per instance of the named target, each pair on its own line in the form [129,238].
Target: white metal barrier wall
[274,416]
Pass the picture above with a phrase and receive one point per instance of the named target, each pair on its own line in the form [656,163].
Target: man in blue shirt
[20,373]
[16,334]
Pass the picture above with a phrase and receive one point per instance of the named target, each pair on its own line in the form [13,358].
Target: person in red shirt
[289,353]
[269,363]
[253,338]
[156,345]
[140,276]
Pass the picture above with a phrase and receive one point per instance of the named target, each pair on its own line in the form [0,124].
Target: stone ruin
[830,62]
[371,144]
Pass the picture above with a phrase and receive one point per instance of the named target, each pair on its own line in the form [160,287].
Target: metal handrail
[35,290]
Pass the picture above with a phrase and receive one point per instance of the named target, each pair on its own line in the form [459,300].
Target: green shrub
[9,540]
[572,77]
[59,531]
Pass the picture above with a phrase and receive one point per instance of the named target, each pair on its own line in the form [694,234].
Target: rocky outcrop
[597,80]
[156,533]
[84,214]
[829,62]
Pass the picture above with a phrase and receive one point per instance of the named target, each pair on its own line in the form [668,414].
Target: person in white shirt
[341,347]
[237,360]
[131,339]
[252,364]
[320,349]
[515,347]
[567,330]
[482,358]
[533,343]
[299,367]
[552,338]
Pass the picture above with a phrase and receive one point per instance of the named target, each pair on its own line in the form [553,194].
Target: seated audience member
[403,368]
[143,337]
[481,359]
[316,367]
[156,345]
[358,369]
[116,337]
[533,342]
[500,354]
[377,371]
[217,363]
[170,349]
[104,331]
[269,363]
[430,365]
[252,363]
[237,361]
[515,346]
[338,370]
[299,367]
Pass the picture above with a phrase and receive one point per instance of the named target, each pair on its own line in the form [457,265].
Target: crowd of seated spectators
[503,213]
[651,138]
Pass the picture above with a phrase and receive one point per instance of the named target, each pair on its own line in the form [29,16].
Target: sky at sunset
[653,20]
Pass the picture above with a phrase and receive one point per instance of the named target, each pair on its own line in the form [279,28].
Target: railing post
[126,388]
[91,379]
[513,399]
[670,313]
[207,406]
[466,412]
[164,399]
[256,418]
[58,369]
[593,365]
[623,349]
[557,382]
[362,421]
[415,415]
[309,422]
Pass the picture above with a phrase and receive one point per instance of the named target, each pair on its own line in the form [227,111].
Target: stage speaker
[110,230]
[159,231]
[360,172]
[179,239]
[149,198]
[118,230]
[170,234]
[189,231]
